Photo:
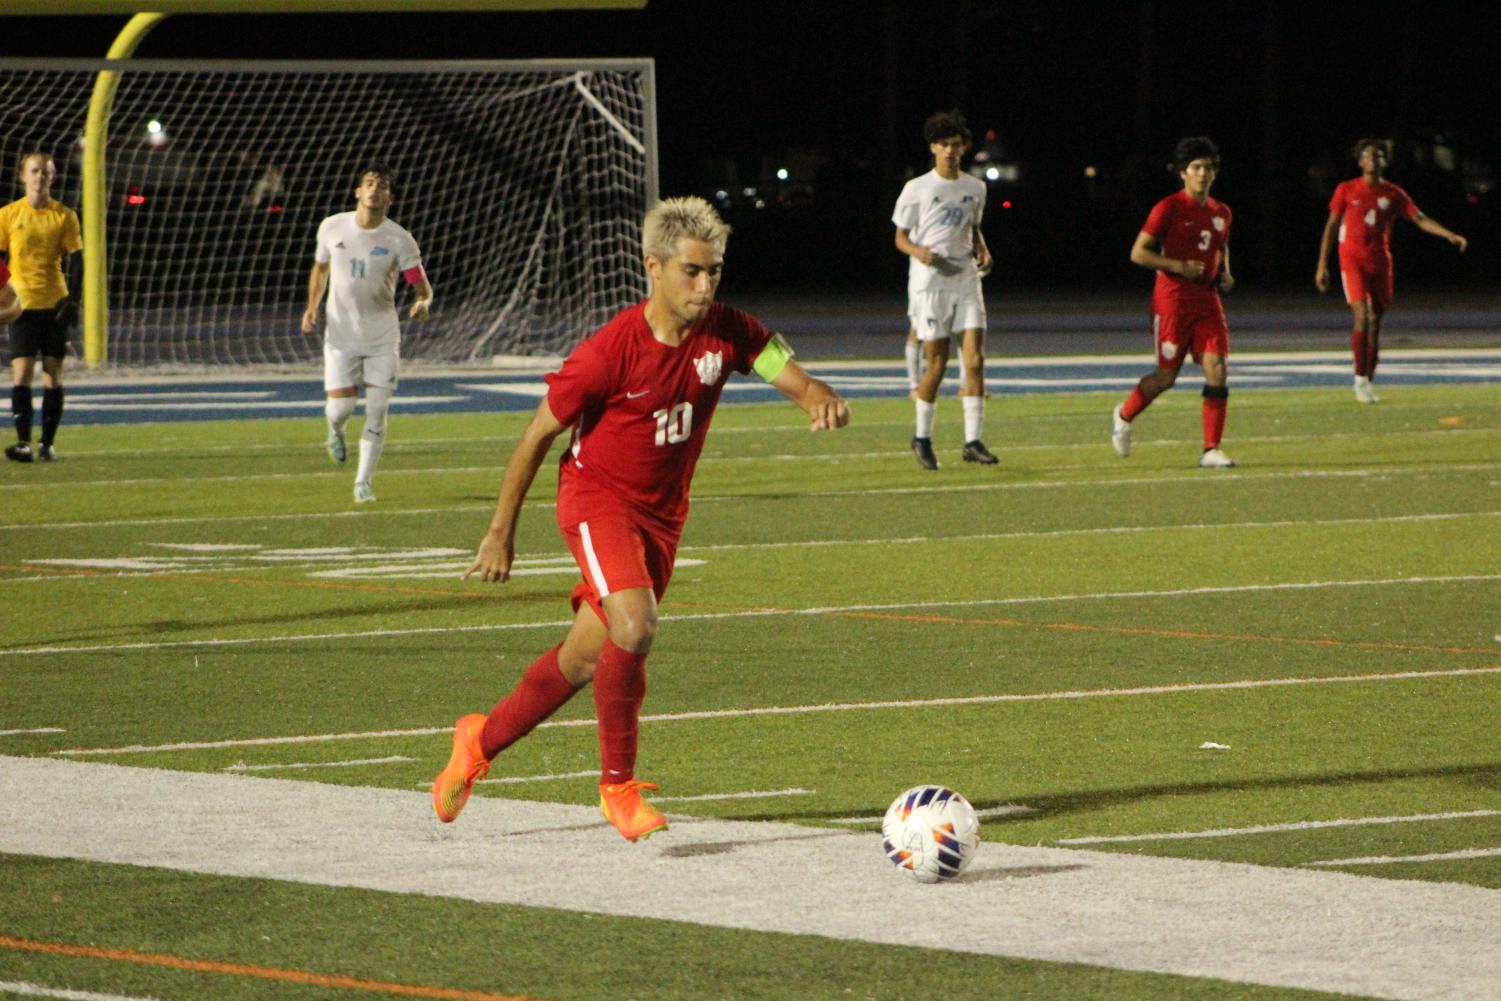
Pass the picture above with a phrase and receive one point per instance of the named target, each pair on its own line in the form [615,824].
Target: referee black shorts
[37,332]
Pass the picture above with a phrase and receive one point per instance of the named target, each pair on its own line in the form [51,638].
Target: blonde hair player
[637,397]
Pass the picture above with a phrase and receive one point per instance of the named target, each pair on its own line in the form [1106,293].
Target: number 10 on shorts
[674,425]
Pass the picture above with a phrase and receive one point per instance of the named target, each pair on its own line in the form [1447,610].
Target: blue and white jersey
[942,214]
[363,266]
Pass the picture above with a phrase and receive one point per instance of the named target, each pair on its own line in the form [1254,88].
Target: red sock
[541,692]
[1135,404]
[1358,349]
[619,688]
[1213,414]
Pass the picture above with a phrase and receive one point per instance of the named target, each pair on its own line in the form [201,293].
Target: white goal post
[524,182]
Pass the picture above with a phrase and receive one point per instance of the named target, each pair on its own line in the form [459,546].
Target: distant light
[760,203]
[134,196]
[721,194]
[749,192]
[782,174]
[992,174]
[273,208]
[1090,171]
[1006,204]
[154,127]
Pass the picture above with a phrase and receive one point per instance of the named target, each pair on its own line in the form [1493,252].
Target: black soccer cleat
[923,449]
[975,451]
[19,452]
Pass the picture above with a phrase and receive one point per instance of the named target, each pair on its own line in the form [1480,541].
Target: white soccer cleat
[1213,458]
[1364,393]
[335,445]
[363,494]
[1120,434]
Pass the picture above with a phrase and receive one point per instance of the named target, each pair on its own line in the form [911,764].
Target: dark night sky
[839,90]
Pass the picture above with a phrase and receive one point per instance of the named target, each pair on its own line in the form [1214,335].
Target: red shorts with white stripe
[615,552]
[1179,334]
[1367,282]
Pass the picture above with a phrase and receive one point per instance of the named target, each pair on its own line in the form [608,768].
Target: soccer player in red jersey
[1362,211]
[638,395]
[1186,240]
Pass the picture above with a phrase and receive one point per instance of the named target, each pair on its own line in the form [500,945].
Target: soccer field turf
[1247,687]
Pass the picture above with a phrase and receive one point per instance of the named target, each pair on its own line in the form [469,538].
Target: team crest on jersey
[1219,224]
[709,366]
[378,252]
[1383,203]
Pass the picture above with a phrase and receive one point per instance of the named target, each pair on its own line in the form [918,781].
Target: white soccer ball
[930,833]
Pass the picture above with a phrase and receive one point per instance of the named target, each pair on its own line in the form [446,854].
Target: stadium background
[834,93]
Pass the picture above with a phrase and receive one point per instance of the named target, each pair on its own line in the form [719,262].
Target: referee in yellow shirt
[42,237]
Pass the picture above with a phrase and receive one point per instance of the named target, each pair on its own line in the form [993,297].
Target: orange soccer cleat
[632,816]
[466,766]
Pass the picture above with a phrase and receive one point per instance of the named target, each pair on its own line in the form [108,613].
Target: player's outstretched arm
[1226,280]
[824,407]
[497,550]
[983,261]
[1441,231]
[1326,242]
[317,284]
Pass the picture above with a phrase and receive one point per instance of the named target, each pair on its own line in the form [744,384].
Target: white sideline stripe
[759,794]
[768,613]
[1306,825]
[242,767]
[1290,927]
[1106,530]
[968,700]
[1005,810]
[564,564]
[1081,484]
[40,729]
[30,990]
[1467,853]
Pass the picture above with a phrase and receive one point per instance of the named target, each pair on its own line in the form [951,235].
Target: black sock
[52,413]
[20,409]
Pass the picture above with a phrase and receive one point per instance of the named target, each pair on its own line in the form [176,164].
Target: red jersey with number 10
[1188,231]
[1366,213]
[640,410]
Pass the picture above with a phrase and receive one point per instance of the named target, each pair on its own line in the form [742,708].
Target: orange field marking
[1191,634]
[260,972]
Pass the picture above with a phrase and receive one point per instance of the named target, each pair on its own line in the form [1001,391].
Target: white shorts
[937,316]
[347,370]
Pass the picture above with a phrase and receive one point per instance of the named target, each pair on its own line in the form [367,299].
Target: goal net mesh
[523,183]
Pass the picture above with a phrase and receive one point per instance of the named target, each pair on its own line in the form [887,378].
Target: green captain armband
[773,358]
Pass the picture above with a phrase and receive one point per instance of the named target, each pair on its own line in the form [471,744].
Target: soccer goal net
[524,183]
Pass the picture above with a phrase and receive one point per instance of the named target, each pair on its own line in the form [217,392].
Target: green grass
[1351,542]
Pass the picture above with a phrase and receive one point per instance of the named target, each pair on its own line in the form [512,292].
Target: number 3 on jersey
[674,425]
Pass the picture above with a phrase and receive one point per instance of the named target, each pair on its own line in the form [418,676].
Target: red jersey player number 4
[637,397]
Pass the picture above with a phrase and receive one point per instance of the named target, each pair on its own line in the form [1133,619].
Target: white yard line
[1005,810]
[513,779]
[969,700]
[1467,853]
[30,990]
[301,765]
[40,729]
[1305,825]
[1302,928]
[765,613]
[1239,476]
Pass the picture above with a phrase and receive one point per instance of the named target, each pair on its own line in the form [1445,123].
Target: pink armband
[415,276]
